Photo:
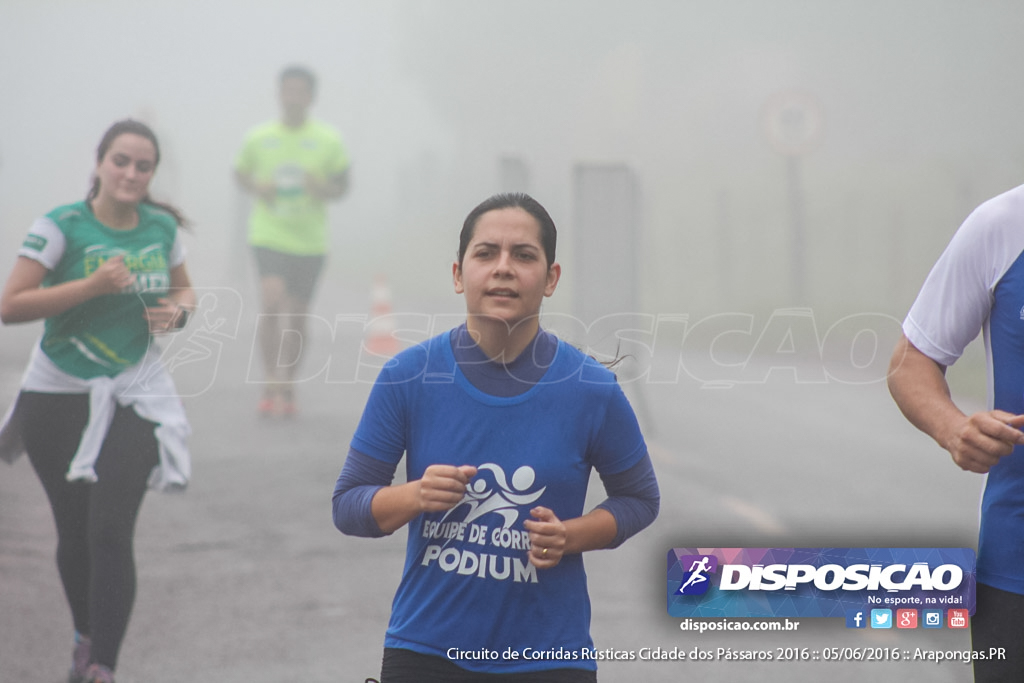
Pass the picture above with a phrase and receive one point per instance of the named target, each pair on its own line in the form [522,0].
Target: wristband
[182,319]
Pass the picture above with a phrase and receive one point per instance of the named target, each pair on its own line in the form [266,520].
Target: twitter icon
[881,618]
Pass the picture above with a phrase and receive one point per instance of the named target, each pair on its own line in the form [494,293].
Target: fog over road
[868,130]
[244,578]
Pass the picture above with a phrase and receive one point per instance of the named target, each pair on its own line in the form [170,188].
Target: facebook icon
[855,619]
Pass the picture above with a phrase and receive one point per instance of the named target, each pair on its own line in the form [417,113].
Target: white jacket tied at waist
[145,387]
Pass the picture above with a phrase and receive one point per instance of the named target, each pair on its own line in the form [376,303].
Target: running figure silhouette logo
[498,496]
[696,580]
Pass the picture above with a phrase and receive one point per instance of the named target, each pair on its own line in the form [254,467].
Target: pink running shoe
[97,673]
[266,407]
[80,659]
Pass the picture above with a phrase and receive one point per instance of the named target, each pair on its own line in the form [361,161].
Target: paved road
[243,578]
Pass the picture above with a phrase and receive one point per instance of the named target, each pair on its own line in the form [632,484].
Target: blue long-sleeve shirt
[633,495]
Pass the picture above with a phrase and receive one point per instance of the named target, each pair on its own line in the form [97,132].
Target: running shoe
[80,659]
[266,407]
[97,673]
[287,407]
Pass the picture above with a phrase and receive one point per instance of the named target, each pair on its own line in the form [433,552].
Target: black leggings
[95,522]
[406,666]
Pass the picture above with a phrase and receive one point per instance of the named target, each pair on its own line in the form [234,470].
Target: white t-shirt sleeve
[956,298]
[177,255]
[44,243]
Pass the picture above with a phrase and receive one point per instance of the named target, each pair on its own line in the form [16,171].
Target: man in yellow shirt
[293,167]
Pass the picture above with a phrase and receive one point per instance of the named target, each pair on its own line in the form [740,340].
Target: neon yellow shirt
[295,222]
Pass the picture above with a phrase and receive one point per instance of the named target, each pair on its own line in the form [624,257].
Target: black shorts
[996,630]
[299,272]
[406,666]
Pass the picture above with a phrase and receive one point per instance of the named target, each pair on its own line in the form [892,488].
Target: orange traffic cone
[380,339]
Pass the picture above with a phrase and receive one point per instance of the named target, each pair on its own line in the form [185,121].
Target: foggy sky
[920,122]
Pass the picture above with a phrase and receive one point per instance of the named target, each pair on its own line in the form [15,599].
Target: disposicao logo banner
[816,582]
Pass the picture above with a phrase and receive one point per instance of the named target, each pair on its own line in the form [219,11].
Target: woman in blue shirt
[500,424]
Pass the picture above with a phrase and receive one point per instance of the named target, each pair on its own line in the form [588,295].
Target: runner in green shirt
[293,167]
[107,274]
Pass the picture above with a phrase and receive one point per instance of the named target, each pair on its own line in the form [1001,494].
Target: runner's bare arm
[24,299]
[332,187]
[264,190]
[174,309]
[976,442]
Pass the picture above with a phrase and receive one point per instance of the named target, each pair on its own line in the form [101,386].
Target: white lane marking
[762,521]
[759,518]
